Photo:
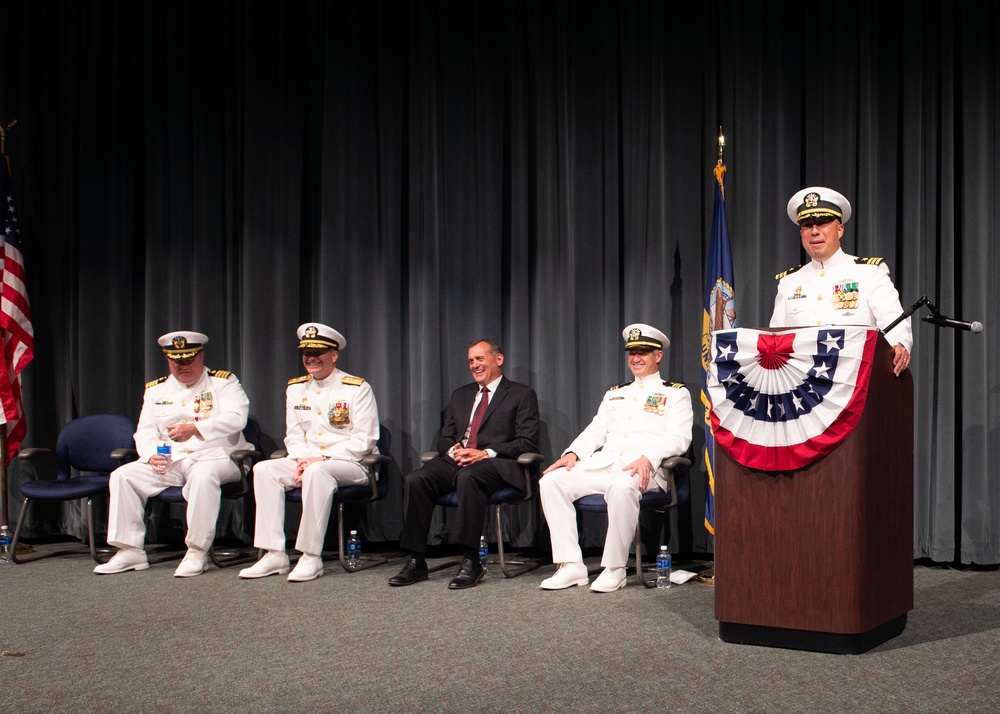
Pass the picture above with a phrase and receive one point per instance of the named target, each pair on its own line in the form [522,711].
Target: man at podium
[835,288]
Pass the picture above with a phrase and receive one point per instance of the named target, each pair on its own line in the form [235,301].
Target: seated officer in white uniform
[199,414]
[331,423]
[637,425]
[835,288]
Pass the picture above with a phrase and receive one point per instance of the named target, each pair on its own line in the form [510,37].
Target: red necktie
[477,419]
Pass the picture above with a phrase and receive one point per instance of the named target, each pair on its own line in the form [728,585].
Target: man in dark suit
[487,425]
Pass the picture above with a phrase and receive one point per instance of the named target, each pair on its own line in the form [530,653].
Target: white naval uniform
[335,418]
[809,295]
[646,417]
[219,406]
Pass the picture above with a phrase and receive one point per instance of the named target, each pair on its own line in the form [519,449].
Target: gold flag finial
[3,132]
[720,168]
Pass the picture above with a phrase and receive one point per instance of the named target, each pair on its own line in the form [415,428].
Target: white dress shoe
[273,563]
[568,575]
[124,559]
[610,580]
[194,563]
[309,567]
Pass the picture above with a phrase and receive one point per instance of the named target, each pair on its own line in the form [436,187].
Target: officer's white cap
[182,344]
[638,335]
[818,202]
[317,336]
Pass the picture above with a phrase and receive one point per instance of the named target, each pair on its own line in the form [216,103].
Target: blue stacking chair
[506,496]
[359,495]
[84,465]
[244,458]
[677,470]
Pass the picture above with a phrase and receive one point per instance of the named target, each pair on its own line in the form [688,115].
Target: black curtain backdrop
[418,174]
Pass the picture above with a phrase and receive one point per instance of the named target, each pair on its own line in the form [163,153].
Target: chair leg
[17,537]
[17,533]
[365,561]
[648,582]
[511,568]
[90,529]
[228,557]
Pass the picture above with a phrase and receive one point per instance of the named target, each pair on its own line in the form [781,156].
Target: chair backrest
[251,432]
[86,443]
[682,480]
[384,443]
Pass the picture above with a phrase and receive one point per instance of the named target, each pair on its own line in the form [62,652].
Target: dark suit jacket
[509,427]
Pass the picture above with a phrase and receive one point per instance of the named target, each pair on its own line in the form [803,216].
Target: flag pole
[3,472]
[719,314]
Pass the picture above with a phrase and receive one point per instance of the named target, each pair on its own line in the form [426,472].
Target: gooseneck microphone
[942,321]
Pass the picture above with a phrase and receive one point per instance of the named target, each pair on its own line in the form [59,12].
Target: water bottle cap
[354,532]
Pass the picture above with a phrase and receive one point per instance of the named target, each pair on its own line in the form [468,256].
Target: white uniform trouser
[560,488]
[133,483]
[320,480]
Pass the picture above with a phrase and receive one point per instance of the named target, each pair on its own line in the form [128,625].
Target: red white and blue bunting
[782,400]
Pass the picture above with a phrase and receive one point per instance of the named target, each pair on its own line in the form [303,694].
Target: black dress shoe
[414,571]
[468,576]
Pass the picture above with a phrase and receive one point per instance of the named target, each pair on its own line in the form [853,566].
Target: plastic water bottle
[484,552]
[163,449]
[353,550]
[663,566]
[5,540]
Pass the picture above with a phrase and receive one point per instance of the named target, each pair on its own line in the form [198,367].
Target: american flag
[16,332]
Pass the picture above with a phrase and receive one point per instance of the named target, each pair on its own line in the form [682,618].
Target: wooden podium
[821,558]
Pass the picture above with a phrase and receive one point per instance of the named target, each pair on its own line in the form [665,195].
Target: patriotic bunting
[782,400]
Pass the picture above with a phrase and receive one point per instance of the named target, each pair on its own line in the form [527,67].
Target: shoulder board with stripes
[779,276]
[619,386]
[155,382]
[868,261]
[675,385]
[299,380]
[353,381]
[220,373]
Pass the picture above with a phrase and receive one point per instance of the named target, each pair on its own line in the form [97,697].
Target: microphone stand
[913,308]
